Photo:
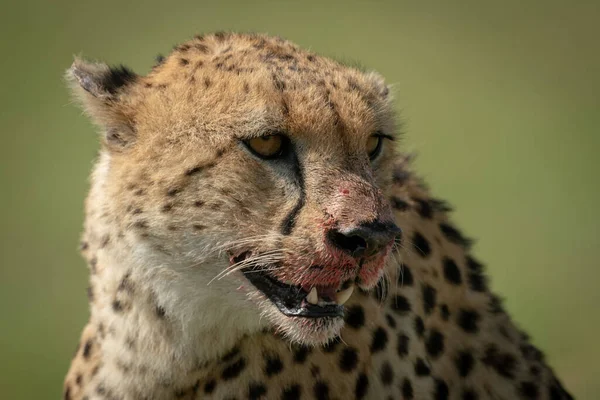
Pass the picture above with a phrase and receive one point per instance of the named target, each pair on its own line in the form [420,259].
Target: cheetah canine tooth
[344,295]
[313,297]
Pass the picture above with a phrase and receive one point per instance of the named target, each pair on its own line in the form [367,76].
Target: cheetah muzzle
[322,296]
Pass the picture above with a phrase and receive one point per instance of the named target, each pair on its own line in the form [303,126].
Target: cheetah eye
[268,146]
[374,144]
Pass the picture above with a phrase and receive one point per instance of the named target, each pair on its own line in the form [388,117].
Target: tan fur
[174,195]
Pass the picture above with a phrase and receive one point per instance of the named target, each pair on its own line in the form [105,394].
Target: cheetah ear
[102,91]
[384,88]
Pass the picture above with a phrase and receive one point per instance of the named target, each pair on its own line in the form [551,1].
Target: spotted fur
[174,194]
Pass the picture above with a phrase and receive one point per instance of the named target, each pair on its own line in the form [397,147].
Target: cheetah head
[247,171]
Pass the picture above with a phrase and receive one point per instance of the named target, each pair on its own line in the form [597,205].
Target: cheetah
[253,232]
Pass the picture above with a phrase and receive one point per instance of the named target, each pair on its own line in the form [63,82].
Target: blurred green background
[500,99]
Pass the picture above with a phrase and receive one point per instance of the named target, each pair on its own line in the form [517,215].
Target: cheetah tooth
[313,297]
[344,295]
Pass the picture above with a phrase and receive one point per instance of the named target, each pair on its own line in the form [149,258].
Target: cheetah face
[302,281]
[257,171]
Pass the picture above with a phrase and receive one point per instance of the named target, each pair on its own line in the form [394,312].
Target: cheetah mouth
[318,301]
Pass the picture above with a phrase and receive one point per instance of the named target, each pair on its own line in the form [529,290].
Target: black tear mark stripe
[290,220]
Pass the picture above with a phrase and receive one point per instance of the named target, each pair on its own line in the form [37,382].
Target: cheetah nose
[364,240]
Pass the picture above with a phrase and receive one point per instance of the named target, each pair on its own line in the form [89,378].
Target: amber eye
[268,146]
[374,146]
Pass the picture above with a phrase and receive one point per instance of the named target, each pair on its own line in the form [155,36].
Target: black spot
[445,312]
[194,170]
[362,385]
[87,349]
[321,390]
[117,306]
[453,235]
[273,365]
[405,277]
[231,354]
[400,175]
[495,305]
[210,386]
[429,298]
[105,240]
[78,379]
[256,390]
[160,312]
[464,363]
[184,61]
[403,341]
[503,363]
[400,304]
[434,343]
[477,282]
[348,359]
[355,316]
[390,321]
[67,394]
[330,346]
[407,389]
[468,319]
[380,339]
[301,353]
[473,265]
[90,293]
[451,271]
[202,48]
[386,374]
[441,390]
[557,392]
[424,208]
[469,394]
[419,326]
[159,59]
[399,204]
[421,245]
[421,369]
[529,390]
[234,369]
[314,370]
[173,191]
[291,393]
[93,264]
[531,353]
